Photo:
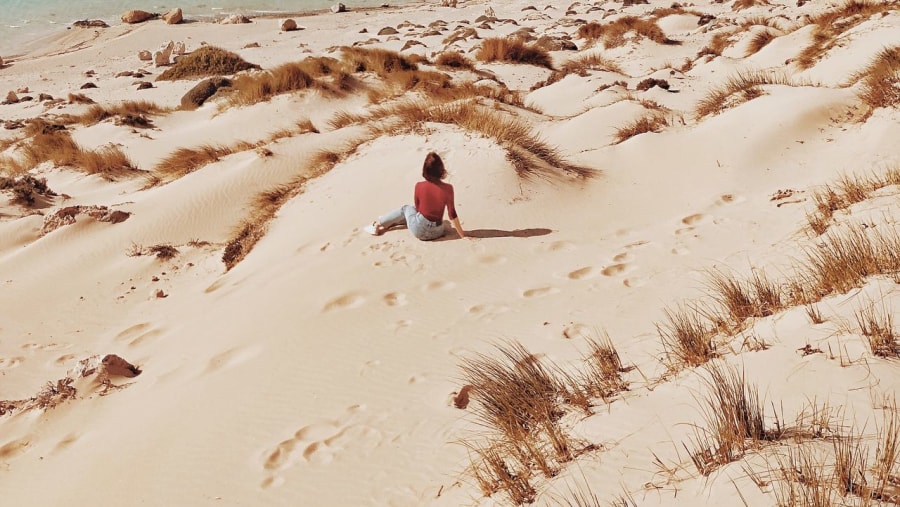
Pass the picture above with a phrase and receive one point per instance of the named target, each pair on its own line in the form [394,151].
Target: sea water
[24,22]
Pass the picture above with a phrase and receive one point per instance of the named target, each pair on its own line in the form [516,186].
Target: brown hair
[433,168]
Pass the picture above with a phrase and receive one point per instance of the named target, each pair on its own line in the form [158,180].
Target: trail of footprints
[319,444]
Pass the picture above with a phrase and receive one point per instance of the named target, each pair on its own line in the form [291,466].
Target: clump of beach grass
[206,61]
[513,50]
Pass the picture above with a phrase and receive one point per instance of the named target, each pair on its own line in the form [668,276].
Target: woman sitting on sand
[426,219]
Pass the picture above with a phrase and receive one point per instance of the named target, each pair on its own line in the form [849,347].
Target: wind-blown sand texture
[664,172]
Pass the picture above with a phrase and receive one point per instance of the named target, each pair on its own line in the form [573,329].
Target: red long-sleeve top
[431,198]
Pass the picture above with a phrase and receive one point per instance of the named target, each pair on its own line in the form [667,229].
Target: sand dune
[320,365]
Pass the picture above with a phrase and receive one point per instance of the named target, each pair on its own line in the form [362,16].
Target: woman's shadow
[499,233]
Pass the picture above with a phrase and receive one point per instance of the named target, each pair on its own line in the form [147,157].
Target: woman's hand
[458,227]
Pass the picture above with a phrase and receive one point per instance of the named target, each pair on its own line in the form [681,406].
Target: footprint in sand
[637,244]
[348,300]
[14,448]
[582,273]
[680,250]
[684,230]
[400,325]
[490,259]
[615,269]
[576,330]
[319,444]
[694,219]
[10,362]
[539,292]
[68,440]
[133,331]
[64,359]
[557,246]
[634,282]
[232,357]
[487,311]
[394,299]
[438,286]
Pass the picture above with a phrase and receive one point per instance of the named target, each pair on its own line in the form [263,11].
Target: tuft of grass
[719,41]
[207,61]
[164,252]
[128,111]
[529,154]
[580,66]
[881,80]
[613,34]
[847,191]
[265,205]
[829,25]
[454,60]
[380,61]
[741,87]
[184,161]
[26,189]
[108,161]
[843,259]
[759,41]
[254,88]
[746,4]
[603,375]
[80,98]
[744,299]
[513,50]
[735,419]
[878,328]
[814,314]
[652,122]
[686,338]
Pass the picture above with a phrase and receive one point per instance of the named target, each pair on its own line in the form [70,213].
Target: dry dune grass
[718,43]
[881,79]
[878,328]
[48,142]
[687,338]
[520,400]
[829,25]
[741,87]
[80,98]
[108,161]
[847,191]
[613,34]
[513,50]
[746,4]
[184,161]
[529,154]
[454,60]
[205,62]
[125,110]
[253,88]
[26,189]
[652,122]
[380,61]
[759,41]
[580,66]
[266,204]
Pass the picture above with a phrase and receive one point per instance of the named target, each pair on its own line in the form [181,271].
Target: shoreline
[27,49]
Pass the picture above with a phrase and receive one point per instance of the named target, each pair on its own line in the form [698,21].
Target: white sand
[319,371]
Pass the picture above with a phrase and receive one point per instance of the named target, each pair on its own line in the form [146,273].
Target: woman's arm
[459,229]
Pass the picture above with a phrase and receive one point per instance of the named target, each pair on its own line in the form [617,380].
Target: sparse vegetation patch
[206,61]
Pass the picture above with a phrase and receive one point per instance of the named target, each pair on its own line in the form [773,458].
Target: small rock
[364,30]
[154,279]
[45,96]
[143,85]
[94,23]
[161,294]
[87,85]
[145,55]
[125,73]
[338,7]
[173,17]
[137,16]
[704,19]
[235,19]
[387,31]
[196,96]
[89,73]
[164,55]
[252,45]
[288,25]
[116,217]
[24,89]
[26,98]
[11,97]
[1,61]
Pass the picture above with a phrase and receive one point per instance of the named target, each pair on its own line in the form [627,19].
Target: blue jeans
[421,227]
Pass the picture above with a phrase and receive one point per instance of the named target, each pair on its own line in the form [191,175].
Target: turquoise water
[24,22]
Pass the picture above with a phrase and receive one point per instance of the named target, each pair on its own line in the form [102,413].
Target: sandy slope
[319,371]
